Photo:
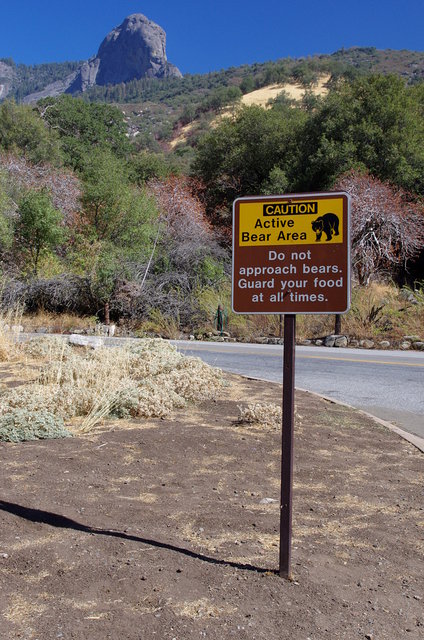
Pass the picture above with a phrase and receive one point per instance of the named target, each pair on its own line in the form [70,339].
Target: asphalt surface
[387,384]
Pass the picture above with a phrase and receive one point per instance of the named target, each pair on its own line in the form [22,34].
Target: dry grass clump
[57,322]
[145,378]
[52,348]
[6,346]
[267,415]
[383,310]
[9,321]
[380,310]
[159,324]
[149,357]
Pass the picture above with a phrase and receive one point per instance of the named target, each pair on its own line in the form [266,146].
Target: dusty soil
[158,529]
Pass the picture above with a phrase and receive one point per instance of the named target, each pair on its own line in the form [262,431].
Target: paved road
[387,384]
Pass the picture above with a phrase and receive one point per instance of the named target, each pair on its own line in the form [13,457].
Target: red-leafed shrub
[181,210]
[387,226]
[62,184]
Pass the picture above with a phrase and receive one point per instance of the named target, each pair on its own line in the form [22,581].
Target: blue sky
[207,35]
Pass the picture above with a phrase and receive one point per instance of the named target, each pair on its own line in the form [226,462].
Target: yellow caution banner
[291,222]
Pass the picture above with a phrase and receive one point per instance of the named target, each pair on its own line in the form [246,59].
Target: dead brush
[56,322]
[267,415]
[146,378]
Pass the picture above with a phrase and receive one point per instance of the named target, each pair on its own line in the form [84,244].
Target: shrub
[19,425]
[267,415]
[146,378]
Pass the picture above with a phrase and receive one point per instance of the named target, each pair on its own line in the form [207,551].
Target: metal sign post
[287,446]
[291,254]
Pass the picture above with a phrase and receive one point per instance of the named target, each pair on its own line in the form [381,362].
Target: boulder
[329,341]
[341,341]
[366,344]
[336,340]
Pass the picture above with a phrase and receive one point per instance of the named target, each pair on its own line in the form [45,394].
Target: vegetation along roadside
[104,217]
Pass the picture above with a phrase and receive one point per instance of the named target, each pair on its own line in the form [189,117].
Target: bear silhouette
[328,223]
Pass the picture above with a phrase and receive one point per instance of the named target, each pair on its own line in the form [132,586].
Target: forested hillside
[101,214]
[31,78]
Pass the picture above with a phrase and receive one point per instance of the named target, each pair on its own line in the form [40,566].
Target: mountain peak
[133,50]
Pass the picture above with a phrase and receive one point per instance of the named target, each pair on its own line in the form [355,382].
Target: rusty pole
[287,445]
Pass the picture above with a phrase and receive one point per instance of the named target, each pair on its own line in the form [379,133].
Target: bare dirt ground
[160,529]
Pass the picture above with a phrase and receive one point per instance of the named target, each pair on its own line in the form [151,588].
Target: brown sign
[291,254]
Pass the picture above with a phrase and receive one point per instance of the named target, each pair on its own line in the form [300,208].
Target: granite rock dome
[136,49]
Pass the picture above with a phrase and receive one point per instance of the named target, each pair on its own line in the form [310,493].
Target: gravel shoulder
[159,528]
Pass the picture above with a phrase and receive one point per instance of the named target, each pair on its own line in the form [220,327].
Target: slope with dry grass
[294,91]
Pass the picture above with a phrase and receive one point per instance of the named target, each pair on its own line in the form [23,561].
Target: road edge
[416,441]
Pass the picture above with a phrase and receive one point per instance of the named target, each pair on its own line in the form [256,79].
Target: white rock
[17,328]
[85,341]
[329,341]
[366,344]
[341,341]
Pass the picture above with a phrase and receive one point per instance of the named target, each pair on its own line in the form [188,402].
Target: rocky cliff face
[7,75]
[136,49]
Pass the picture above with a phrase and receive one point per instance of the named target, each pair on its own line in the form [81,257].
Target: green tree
[145,166]
[241,156]
[6,221]
[109,267]
[276,183]
[22,131]
[220,98]
[375,122]
[247,85]
[83,126]
[40,229]
[113,210]
[105,186]
[118,220]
